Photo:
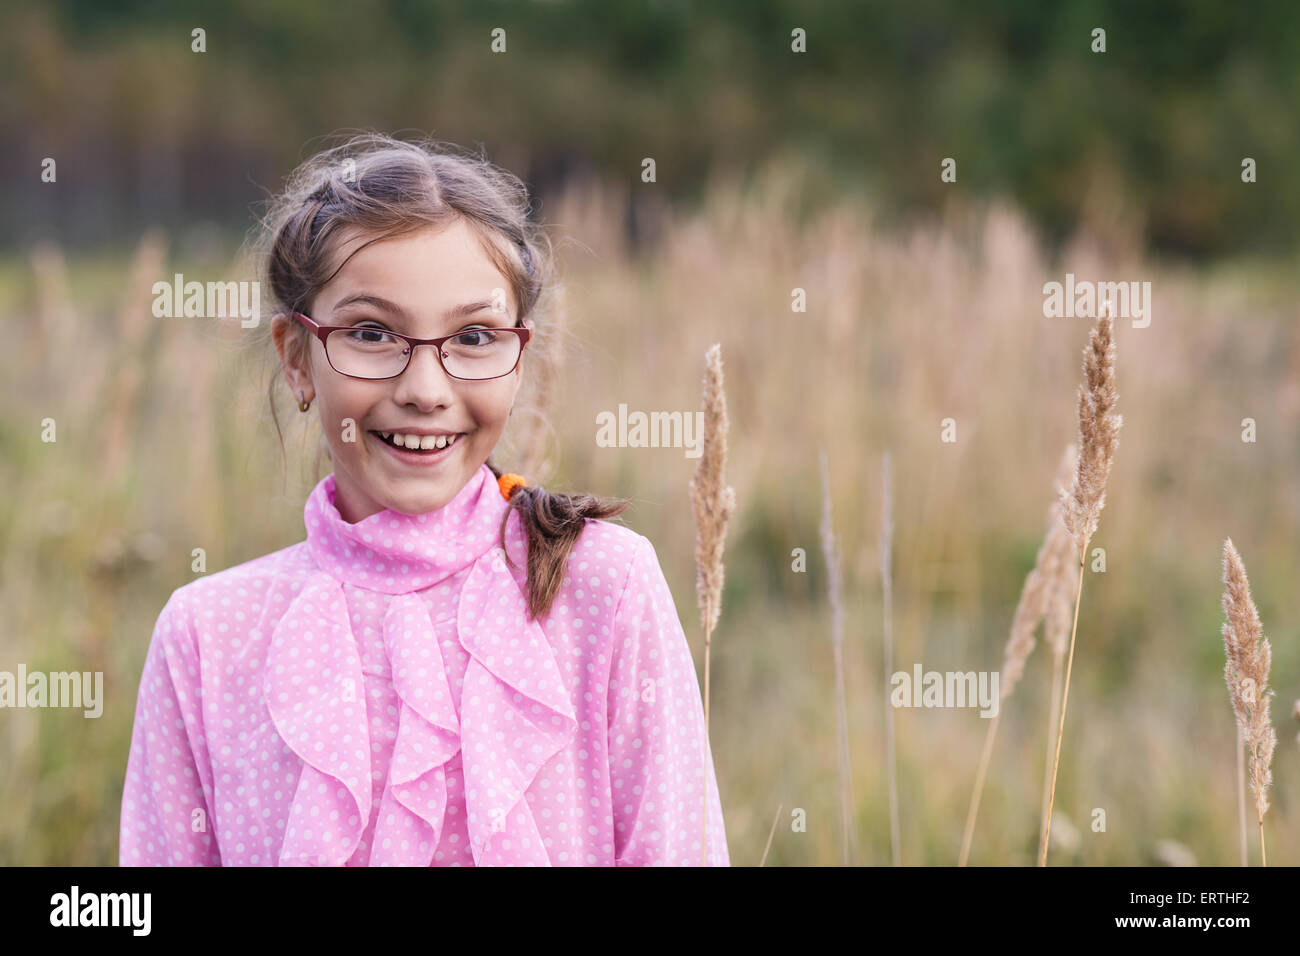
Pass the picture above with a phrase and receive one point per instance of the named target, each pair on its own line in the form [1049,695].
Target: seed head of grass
[1099,427]
[1246,672]
[713,500]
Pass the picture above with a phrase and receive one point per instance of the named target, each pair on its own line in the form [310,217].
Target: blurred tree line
[1153,131]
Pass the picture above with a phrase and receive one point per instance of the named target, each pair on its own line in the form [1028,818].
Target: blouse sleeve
[658,753]
[166,806]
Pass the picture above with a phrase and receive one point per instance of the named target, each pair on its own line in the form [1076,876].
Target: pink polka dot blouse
[376,696]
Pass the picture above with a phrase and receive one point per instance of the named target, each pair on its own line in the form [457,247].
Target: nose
[424,384]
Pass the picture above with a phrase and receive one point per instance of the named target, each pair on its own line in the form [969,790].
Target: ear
[293,344]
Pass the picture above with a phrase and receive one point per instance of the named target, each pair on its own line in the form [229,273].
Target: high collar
[515,711]
[396,553]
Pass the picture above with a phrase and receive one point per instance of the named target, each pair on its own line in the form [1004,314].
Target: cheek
[340,400]
[489,407]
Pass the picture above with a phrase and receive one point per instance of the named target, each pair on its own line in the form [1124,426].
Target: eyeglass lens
[374,353]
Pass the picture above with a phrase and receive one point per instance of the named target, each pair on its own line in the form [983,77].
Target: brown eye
[369,335]
[467,337]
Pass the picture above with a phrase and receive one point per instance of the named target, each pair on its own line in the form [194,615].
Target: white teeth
[419,442]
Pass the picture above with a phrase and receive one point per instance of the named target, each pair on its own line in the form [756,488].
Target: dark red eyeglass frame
[323,331]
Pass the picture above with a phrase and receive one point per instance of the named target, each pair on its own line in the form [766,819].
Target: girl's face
[410,284]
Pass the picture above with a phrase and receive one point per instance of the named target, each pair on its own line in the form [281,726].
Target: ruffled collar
[515,713]
[397,553]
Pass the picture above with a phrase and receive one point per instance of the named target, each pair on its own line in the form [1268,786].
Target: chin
[417,504]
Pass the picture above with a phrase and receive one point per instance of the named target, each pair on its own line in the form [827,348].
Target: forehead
[430,268]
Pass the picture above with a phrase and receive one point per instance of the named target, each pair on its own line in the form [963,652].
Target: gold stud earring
[303,403]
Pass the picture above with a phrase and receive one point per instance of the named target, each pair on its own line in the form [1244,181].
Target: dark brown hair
[384,187]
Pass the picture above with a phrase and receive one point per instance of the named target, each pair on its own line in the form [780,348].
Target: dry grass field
[165,444]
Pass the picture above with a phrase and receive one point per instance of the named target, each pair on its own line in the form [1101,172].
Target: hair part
[381,187]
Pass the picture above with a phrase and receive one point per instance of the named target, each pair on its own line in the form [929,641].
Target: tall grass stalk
[834,587]
[714,502]
[1056,627]
[1098,438]
[1040,593]
[1241,801]
[1246,674]
[771,833]
[1058,637]
[887,611]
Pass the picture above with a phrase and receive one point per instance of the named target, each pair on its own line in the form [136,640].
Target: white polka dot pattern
[376,695]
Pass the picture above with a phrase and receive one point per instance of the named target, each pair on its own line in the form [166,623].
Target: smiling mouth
[418,444]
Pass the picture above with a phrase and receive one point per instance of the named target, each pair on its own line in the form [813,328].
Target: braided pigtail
[552,523]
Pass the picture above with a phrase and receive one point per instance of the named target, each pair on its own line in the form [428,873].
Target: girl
[455,668]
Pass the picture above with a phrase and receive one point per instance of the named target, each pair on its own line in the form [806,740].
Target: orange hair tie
[509,482]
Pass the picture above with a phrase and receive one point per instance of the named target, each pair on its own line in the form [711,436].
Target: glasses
[363,351]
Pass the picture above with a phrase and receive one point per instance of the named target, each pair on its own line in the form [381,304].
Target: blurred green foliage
[147,132]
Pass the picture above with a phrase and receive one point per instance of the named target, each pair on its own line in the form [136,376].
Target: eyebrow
[456,312]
